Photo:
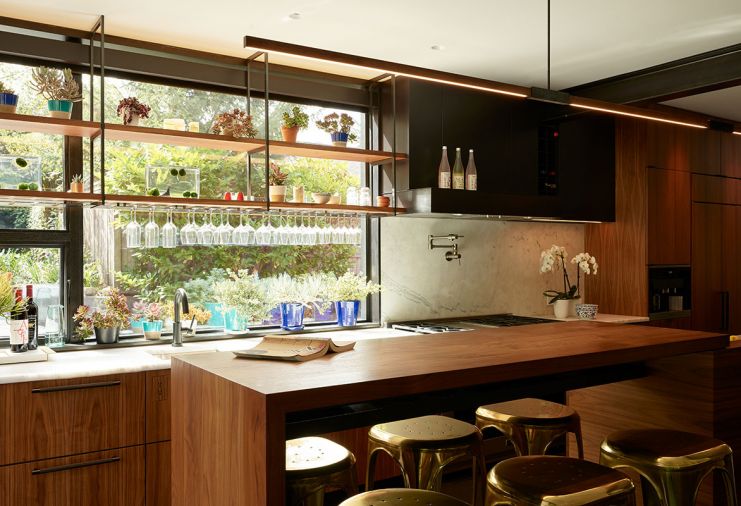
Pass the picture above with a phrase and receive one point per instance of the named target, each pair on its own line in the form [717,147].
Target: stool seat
[531,425]
[424,432]
[314,463]
[402,496]
[554,480]
[665,448]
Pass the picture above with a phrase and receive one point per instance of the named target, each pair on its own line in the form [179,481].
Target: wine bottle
[459,175]
[471,176]
[33,319]
[18,325]
[443,173]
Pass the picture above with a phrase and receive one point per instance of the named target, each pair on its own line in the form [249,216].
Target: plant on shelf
[151,316]
[59,88]
[236,123]
[292,296]
[347,291]
[554,259]
[75,185]
[293,121]
[132,111]
[339,126]
[277,180]
[105,323]
[243,298]
[8,99]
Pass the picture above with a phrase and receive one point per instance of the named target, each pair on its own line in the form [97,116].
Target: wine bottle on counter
[443,173]
[459,175]
[33,319]
[471,176]
[18,325]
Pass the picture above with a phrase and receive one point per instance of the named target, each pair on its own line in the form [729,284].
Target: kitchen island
[232,416]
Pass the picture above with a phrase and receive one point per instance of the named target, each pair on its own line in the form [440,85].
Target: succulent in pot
[236,123]
[59,88]
[75,184]
[292,296]
[8,99]
[106,322]
[293,121]
[132,111]
[339,127]
[151,315]
[243,298]
[347,291]
[277,181]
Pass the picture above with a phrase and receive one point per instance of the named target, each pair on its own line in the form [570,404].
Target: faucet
[181,299]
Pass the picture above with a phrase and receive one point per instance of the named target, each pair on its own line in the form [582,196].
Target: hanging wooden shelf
[45,198]
[180,138]
[150,201]
[46,125]
[335,208]
[332,152]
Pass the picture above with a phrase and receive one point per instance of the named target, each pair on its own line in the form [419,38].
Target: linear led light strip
[397,69]
[737,133]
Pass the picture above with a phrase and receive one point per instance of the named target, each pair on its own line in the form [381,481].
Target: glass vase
[347,312]
[292,316]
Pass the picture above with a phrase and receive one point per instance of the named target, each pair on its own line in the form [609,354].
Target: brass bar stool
[314,463]
[402,496]
[557,481]
[672,462]
[531,425]
[423,447]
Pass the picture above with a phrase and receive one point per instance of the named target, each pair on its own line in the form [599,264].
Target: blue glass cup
[347,312]
[292,316]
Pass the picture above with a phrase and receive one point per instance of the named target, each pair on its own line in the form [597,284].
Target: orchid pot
[152,330]
[563,308]
[292,316]
[8,102]
[106,335]
[347,312]
[340,138]
[60,108]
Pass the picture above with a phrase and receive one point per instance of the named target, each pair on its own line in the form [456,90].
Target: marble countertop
[80,364]
[601,317]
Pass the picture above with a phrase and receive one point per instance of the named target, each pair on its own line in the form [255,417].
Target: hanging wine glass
[326,232]
[263,233]
[274,233]
[189,232]
[248,234]
[227,231]
[151,232]
[207,231]
[308,237]
[133,232]
[169,232]
[316,231]
[337,234]
[284,231]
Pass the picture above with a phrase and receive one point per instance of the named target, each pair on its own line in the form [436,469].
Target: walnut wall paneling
[669,210]
[731,155]
[622,285]
[674,147]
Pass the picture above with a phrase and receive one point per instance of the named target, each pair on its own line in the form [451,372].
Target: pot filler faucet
[451,246]
[181,299]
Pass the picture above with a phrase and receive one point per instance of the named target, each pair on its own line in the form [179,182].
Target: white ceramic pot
[277,193]
[134,120]
[563,308]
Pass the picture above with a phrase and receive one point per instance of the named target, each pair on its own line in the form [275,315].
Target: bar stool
[402,496]
[313,463]
[423,447]
[557,481]
[531,425]
[672,462]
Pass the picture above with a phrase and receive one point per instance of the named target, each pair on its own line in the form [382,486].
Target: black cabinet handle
[67,467]
[724,310]
[81,386]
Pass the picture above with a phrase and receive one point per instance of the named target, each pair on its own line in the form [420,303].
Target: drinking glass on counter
[54,327]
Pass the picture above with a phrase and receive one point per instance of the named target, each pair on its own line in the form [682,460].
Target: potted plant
[149,316]
[277,182]
[347,291]
[236,123]
[555,258]
[107,323]
[321,308]
[196,316]
[75,185]
[292,296]
[339,127]
[7,298]
[59,88]
[132,111]
[293,121]
[244,300]
[8,99]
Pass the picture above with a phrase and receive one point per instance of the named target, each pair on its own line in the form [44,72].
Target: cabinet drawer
[158,406]
[113,477]
[65,417]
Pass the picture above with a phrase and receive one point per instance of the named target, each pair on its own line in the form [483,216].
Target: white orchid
[555,258]
[586,262]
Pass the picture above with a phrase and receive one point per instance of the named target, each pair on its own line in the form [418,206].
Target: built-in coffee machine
[670,289]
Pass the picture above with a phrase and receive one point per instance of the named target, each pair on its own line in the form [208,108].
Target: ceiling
[503,40]
[722,103]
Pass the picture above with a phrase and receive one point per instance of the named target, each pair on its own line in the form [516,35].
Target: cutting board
[38,355]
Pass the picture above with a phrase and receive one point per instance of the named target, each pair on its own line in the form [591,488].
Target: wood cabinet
[158,406]
[71,416]
[669,209]
[111,478]
[731,156]
[158,469]
[674,147]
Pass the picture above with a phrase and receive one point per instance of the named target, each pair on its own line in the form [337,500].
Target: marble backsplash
[498,273]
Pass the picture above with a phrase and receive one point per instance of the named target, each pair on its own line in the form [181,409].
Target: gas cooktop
[469,323]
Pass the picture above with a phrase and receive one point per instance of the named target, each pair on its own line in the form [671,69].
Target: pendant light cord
[549,45]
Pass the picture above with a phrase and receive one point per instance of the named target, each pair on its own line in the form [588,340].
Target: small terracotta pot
[289,134]
[76,187]
[277,193]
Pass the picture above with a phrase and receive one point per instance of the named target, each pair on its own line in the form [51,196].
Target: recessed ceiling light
[437,47]
[294,15]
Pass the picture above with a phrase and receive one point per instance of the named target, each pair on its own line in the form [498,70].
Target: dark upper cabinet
[532,158]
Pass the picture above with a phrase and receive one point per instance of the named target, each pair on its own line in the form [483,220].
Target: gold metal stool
[313,463]
[672,462]
[403,496]
[423,447]
[557,481]
[531,425]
